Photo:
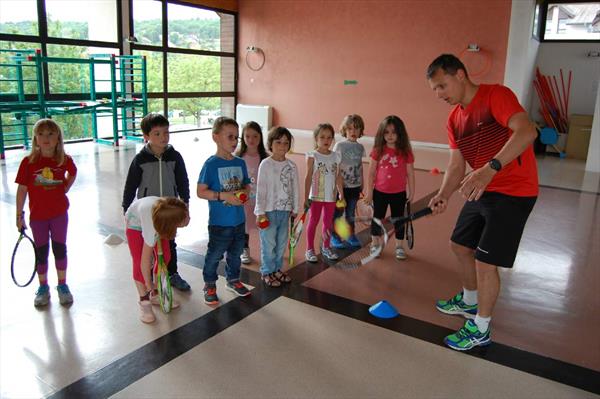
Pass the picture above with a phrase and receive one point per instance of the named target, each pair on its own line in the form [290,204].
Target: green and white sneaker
[456,306]
[468,337]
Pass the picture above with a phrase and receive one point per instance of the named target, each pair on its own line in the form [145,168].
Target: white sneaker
[310,256]
[400,254]
[146,313]
[245,256]
[375,249]
[329,254]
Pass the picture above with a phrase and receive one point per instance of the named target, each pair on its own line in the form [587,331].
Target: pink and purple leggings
[328,208]
[43,230]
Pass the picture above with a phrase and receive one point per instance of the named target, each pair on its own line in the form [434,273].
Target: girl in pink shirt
[390,169]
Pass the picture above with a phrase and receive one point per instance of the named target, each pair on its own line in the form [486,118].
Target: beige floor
[275,353]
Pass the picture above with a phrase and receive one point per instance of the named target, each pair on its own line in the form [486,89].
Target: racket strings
[23,262]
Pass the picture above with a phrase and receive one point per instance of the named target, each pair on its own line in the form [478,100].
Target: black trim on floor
[531,363]
[123,372]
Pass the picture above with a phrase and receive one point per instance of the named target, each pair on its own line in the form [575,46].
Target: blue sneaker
[64,294]
[42,296]
[179,283]
[353,241]
[456,306]
[468,337]
[337,243]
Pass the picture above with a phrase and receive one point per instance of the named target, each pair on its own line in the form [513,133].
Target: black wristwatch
[495,164]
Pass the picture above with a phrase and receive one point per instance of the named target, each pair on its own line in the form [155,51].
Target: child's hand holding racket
[21,221]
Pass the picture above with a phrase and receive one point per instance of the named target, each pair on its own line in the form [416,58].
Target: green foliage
[203,34]
[187,73]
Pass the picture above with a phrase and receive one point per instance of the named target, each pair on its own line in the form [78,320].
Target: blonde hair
[319,128]
[47,125]
[167,215]
[352,120]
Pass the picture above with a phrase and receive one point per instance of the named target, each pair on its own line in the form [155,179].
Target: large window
[69,30]
[191,59]
[19,17]
[189,51]
[83,20]
[573,21]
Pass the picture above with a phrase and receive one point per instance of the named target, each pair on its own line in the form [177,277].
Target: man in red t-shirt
[489,130]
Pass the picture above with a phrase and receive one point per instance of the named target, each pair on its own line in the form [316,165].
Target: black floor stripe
[545,367]
[122,373]
[150,357]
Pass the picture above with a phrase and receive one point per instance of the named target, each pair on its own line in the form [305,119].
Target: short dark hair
[222,121]
[276,133]
[151,121]
[449,63]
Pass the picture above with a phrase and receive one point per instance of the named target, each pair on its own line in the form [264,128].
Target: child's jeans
[313,220]
[273,241]
[223,239]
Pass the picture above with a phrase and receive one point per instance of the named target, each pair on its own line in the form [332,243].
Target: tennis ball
[342,228]
[340,203]
[242,196]
[263,222]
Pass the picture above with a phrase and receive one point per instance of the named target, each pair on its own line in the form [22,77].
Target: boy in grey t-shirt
[352,152]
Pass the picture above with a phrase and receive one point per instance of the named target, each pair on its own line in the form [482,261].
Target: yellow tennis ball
[342,228]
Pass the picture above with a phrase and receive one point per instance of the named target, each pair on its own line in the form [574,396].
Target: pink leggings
[136,243]
[328,209]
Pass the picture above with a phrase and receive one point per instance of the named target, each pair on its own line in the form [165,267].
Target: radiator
[261,114]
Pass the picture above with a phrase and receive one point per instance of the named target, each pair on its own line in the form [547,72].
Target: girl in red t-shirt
[390,169]
[46,175]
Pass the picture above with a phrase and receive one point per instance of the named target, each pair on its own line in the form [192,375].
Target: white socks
[483,323]
[469,297]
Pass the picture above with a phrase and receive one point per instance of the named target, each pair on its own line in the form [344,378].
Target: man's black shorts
[493,227]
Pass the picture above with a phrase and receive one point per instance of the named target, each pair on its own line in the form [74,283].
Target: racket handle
[421,213]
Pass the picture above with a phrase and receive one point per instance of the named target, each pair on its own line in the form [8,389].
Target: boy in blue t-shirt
[221,178]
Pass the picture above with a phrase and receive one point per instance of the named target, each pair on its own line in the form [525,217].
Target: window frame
[541,34]
[43,40]
[166,49]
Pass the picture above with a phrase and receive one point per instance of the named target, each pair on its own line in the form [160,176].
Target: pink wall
[312,46]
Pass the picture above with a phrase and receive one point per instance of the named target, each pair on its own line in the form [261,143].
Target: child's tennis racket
[295,233]
[366,253]
[408,228]
[22,257]
[165,291]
